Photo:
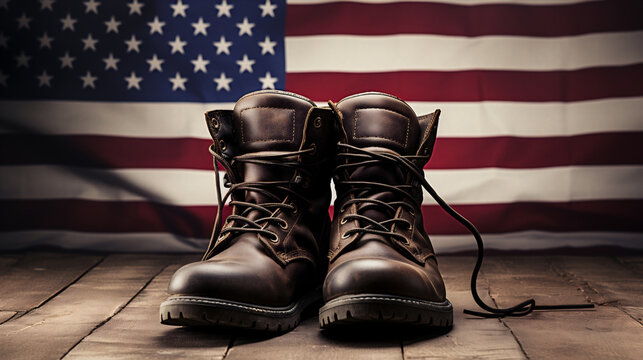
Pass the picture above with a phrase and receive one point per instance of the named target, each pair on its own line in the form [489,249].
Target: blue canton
[140,50]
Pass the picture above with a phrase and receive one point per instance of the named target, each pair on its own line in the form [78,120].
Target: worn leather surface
[373,263]
[249,267]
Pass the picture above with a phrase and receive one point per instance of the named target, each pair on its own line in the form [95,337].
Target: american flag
[104,147]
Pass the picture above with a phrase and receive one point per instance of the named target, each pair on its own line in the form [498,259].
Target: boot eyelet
[341,210]
[343,221]
[295,211]
[273,238]
[412,211]
[345,236]
[223,145]
[317,123]
[314,147]
[216,124]
[284,225]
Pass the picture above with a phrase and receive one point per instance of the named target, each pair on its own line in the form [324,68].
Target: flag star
[245,64]
[268,82]
[111,62]
[133,81]
[268,9]
[90,42]
[155,63]
[267,46]
[179,9]
[3,78]
[222,45]
[200,27]
[68,22]
[44,79]
[200,64]
[135,8]
[3,40]
[23,21]
[177,45]
[91,6]
[178,82]
[132,44]
[112,25]
[67,61]
[22,60]
[156,26]
[223,82]
[45,41]
[46,4]
[245,27]
[224,9]
[88,80]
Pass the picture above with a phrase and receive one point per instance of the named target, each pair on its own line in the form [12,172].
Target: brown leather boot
[265,263]
[382,265]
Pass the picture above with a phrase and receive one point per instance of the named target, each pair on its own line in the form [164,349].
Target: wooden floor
[86,306]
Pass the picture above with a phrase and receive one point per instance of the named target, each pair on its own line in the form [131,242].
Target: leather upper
[248,266]
[367,263]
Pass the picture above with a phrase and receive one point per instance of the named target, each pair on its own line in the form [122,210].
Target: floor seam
[107,319]
[522,349]
[228,348]
[52,296]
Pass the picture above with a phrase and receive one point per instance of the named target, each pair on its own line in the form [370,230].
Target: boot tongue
[380,120]
[270,121]
[380,123]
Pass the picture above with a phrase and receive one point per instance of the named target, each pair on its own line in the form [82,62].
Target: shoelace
[266,188]
[365,158]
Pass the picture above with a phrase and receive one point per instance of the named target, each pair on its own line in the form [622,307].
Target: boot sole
[183,310]
[384,309]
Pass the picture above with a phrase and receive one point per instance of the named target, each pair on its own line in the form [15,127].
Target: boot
[382,267]
[265,263]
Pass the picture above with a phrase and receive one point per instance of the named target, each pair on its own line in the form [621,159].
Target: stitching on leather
[292,139]
[252,308]
[408,126]
[393,300]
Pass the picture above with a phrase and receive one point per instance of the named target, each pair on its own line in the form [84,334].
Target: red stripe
[597,215]
[476,85]
[196,221]
[105,151]
[107,216]
[450,153]
[520,152]
[463,20]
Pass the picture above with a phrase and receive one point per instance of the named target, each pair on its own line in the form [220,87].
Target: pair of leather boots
[279,252]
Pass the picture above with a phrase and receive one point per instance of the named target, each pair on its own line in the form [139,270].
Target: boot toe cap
[386,277]
[232,281]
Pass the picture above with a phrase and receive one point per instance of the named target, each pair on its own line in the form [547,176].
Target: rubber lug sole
[384,309]
[184,310]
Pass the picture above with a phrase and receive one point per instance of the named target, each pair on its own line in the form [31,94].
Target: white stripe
[459,119]
[452,2]
[532,240]
[119,242]
[196,187]
[164,242]
[363,54]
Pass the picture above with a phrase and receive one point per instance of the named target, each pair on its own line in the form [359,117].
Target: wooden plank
[49,331]
[136,332]
[471,337]
[38,276]
[606,280]
[308,342]
[6,315]
[604,333]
